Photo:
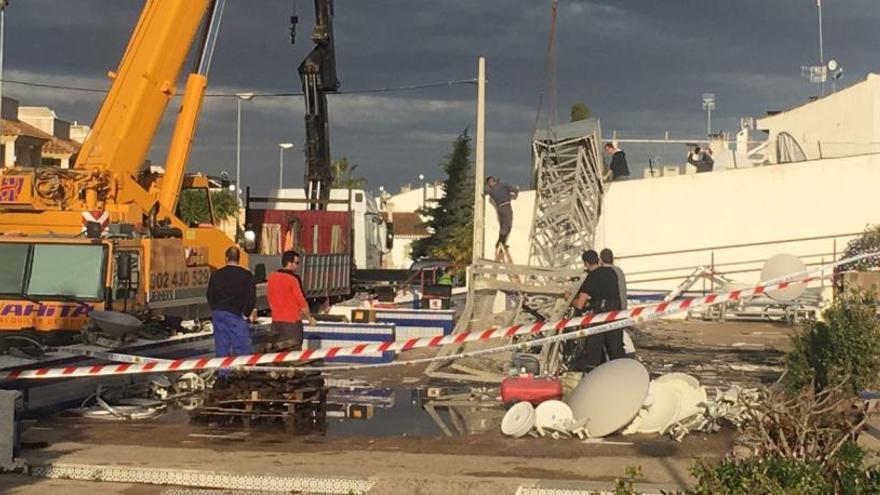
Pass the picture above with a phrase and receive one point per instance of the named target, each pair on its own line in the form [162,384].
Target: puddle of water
[358,411]
[403,417]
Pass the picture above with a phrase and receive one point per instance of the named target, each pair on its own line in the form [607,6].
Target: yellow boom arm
[142,86]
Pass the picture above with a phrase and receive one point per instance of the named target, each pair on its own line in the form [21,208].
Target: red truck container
[323,238]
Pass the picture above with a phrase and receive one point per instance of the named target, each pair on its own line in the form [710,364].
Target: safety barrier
[607,322]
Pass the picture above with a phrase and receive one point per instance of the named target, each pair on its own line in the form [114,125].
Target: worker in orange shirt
[287,302]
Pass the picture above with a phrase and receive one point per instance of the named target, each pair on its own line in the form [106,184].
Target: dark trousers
[287,335]
[591,352]
[505,222]
[232,334]
[597,346]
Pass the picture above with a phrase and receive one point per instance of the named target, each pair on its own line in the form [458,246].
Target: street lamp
[3,4]
[240,97]
[708,106]
[282,147]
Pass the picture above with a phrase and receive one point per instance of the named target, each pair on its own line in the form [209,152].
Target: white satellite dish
[609,397]
[518,420]
[663,409]
[692,394]
[779,266]
[552,413]
[832,65]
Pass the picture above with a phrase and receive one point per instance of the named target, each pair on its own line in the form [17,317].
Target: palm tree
[343,175]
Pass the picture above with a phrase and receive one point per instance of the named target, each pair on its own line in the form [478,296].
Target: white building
[736,218]
[59,150]
[400,210]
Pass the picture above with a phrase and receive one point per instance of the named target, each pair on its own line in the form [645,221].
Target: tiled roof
[58,146]
[407,223]
[18,128]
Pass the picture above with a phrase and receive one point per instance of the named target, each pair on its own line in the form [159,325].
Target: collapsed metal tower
[569,187]
[568,182]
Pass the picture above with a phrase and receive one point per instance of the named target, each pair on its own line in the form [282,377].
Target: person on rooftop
[618,167]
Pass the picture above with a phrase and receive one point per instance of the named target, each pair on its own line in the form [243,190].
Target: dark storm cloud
[641,65]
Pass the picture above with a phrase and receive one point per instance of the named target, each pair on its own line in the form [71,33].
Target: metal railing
[679,272]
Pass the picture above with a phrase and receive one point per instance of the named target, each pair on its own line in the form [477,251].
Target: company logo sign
[11,188]
[45,310]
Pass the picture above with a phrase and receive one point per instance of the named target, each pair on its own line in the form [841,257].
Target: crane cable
[548,83]
[386,89]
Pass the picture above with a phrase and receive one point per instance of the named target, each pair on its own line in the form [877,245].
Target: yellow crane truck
[102,235]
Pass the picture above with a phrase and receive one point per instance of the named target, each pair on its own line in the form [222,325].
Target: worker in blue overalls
[232,295]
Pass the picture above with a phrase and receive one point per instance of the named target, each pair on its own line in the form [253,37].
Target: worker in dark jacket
[501,195]
[599,293]
[232,295]
[619,168]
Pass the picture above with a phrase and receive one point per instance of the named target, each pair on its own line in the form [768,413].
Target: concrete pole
[3,4]
[238,145]
[280,168]
[480,162]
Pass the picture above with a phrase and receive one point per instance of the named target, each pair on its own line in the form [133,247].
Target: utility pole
[821,49]
[480,161]
[3,4]
[240,97]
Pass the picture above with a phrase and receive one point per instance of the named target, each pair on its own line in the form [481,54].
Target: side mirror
[260,272]
[389,236]
[123,267]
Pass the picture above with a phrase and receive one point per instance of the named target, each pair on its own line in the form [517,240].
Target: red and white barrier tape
[609,321]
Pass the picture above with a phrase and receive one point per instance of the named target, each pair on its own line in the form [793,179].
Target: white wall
[846,122]
[400,253]
[413,199]
[807,199]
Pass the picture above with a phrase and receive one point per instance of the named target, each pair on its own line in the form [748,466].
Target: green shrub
[844,346]
[868,242]
[846,474]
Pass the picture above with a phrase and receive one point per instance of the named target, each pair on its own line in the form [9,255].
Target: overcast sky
[641,65]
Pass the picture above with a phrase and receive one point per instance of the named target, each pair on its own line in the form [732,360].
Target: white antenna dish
[779,266]
[552,414]
[692,394]
[833,65]
[663,410]
[518,420]
[609,397]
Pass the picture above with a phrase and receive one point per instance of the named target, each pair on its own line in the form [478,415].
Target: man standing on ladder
[501,195]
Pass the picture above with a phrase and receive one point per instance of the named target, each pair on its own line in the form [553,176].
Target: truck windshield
[66,270]
[12,269]
[52,270]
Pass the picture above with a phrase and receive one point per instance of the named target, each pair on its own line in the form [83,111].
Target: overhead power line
[388,89]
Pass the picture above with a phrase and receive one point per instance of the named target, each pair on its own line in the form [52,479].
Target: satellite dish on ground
[692,393]
[663,410]
[779,266]
[832,65]
[114,323]
[518,420]
[610,396]
[552,413]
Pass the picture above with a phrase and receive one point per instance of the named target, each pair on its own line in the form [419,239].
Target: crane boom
[142,86]
[317,73]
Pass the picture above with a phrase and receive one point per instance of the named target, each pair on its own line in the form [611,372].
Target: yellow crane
[104,235]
